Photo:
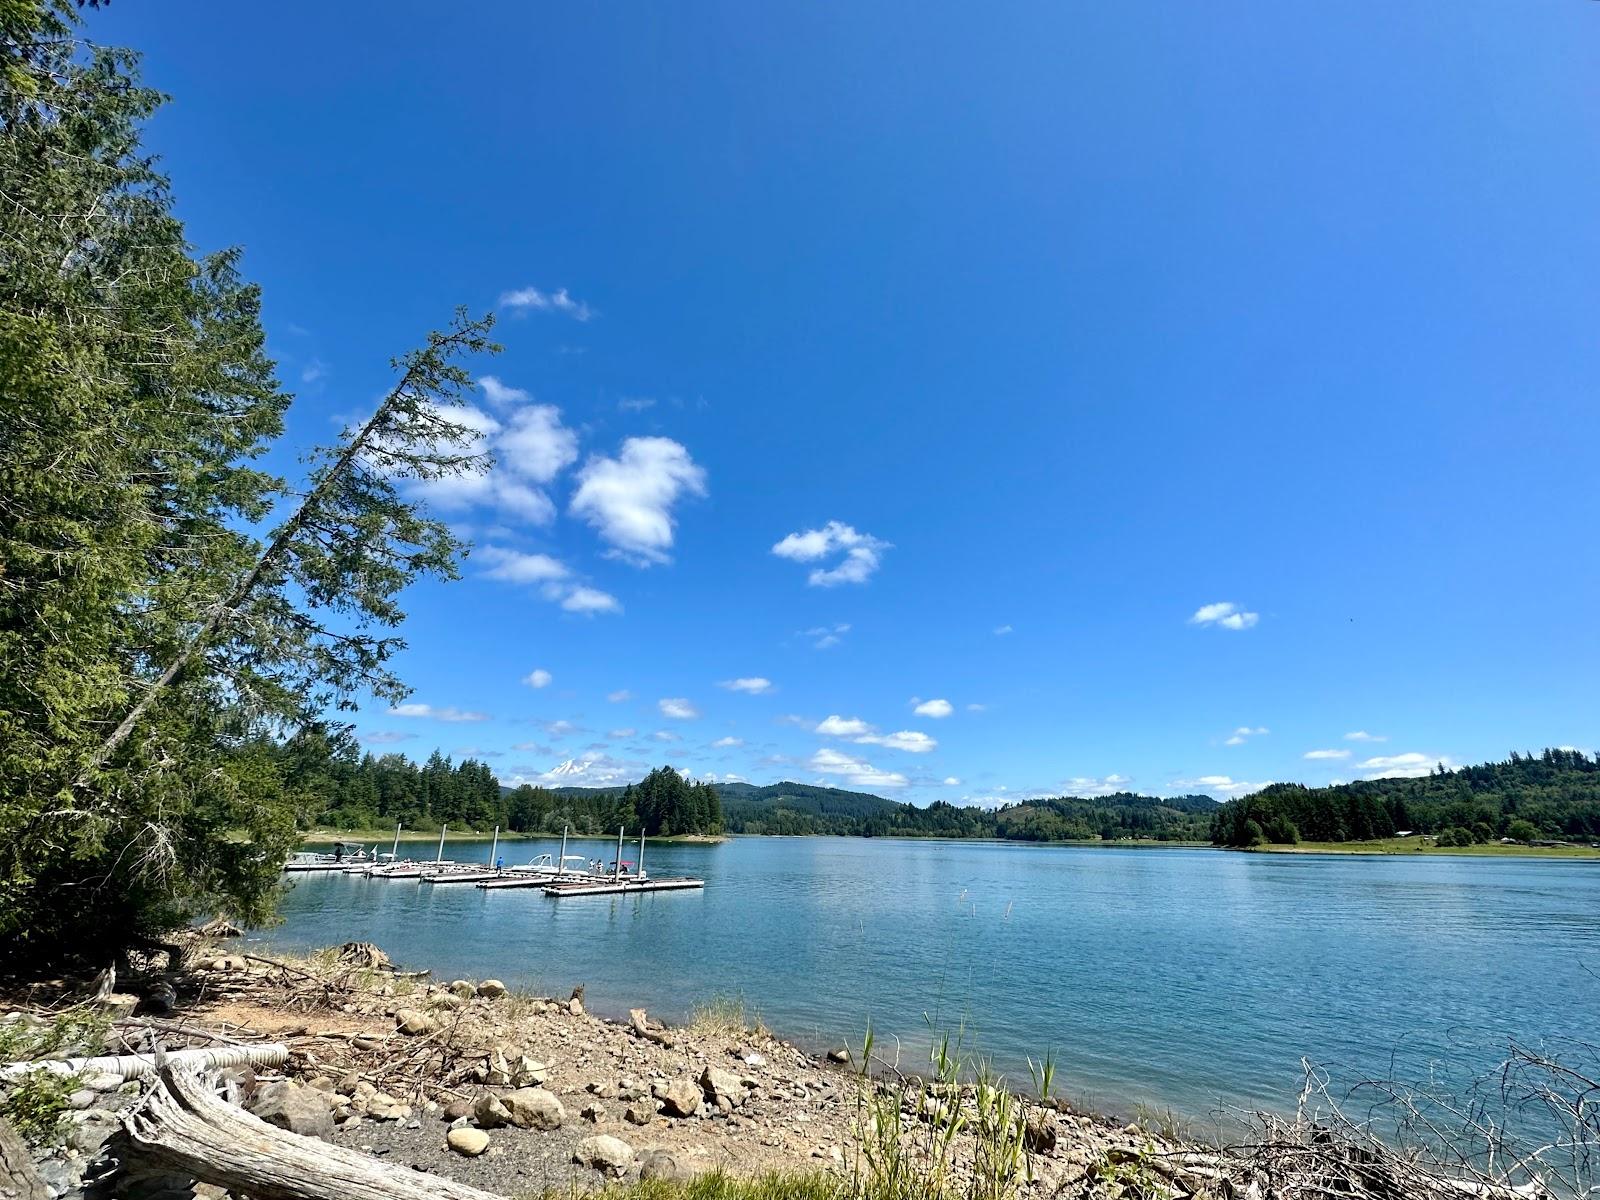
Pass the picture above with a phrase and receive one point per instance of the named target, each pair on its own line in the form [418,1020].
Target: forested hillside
[1552,795]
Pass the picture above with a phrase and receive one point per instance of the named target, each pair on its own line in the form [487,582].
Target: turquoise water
[1193,980]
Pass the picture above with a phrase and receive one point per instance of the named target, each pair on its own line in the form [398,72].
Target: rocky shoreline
[520,1094]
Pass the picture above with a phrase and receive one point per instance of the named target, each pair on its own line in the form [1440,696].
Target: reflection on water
[1189,979]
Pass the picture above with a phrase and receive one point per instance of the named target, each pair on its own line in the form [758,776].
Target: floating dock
[618,887]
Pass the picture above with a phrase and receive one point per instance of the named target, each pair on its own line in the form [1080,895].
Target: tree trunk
[185,1127]
[18,1179]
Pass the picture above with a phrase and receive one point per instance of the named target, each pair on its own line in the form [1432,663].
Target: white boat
[339,859]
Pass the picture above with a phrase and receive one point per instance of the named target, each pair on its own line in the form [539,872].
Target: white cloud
[636,404]
[723,743]
[619,696]
[977,708]
[387,736]
[1244,733]
[826,635]
[436,714]
[828,761]
[1404,766]
[938,709]
[588,600]
[1361,735]
[514,566]
[1319,755]
[530,299]
[908,740]
[952,781]
[665,735]
[837,726]
[1092,785]
[1002,630]
[862,553]
[629,499]
[1225,614]
[535,444]
[1223,784]
[677,708]
[315,371]
[537,678]
[619,734]
[754,685]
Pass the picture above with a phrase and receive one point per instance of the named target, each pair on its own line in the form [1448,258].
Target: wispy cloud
[824,636]
[383,737]
[1361,735]
[585,599]
[1220,784]
[531,299]
[837,726]
[1224,615]
[1002,630]
[723,743]
[937,709]
[908,740]
[952,781]
[629,499]
[314,372]
[1093,785]
[1404,766]
[625,732]
[862,552]
[1244,733]
[677,708]
[619,696]
[666,735]
[1322,755]
[828,761]
[754,685]
[538,678]
[436,714]
[636,404]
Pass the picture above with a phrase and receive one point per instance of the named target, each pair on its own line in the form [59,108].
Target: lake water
[1193,980]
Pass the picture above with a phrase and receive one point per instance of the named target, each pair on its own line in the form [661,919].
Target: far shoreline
[1379,848]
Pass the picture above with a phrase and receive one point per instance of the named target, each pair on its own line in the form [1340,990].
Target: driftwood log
[641,1026]
[18,1179]
[184,1128]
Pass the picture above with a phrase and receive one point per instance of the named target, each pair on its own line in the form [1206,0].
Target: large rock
[639,1114]
[720,1085]
[534,1108]
[491,989]
[414,1022]
[463,988]
[298,1109]
[490,1111]
[680,1098]
[605,1153]
[1040,1133]
[468,1141]
[669,1168]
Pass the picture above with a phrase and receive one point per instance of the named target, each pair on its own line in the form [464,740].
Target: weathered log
[641,1026]
[18,1179]
[183,1126]
[135,1066]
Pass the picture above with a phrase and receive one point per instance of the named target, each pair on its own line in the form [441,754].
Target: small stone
[658,1164]
[446,1000]
[575,1007]
[467,1141]
[754,1060]
[839,1056]
[605,1153]
[491,989]
[593,1112]
[1040,1132]
[457,1109]
[598,1087]
[83,1098]
[462,988]
[638,1114]
[102,1081]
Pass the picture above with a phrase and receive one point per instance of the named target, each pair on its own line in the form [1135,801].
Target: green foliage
[152,638]
[37,1107]
[1555,794]
[1522,831]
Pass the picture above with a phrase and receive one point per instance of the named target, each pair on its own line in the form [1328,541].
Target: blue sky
[952,370]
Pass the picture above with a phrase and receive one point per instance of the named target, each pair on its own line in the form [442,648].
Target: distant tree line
[1554,795]
[343,788]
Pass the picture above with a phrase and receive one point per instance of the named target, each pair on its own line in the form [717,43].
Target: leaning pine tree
[152,636]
